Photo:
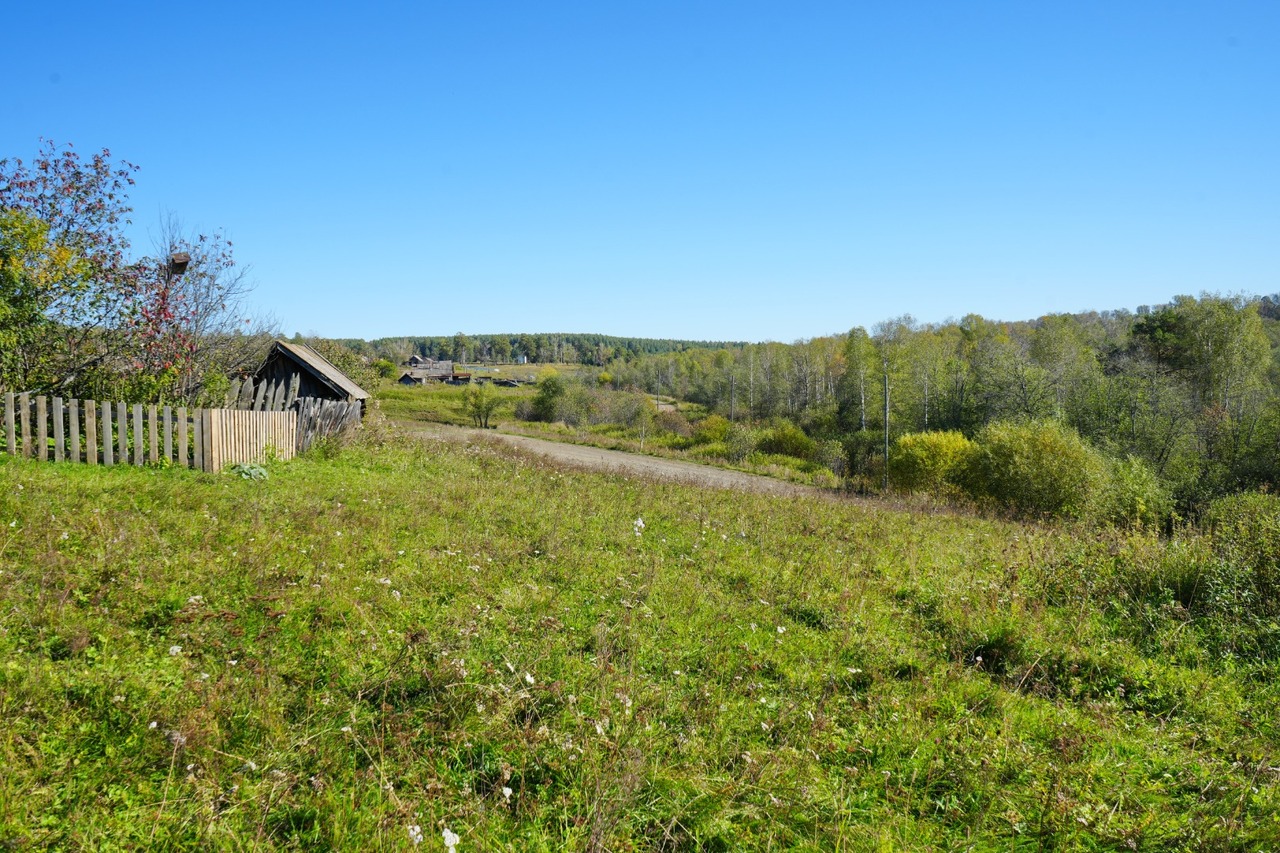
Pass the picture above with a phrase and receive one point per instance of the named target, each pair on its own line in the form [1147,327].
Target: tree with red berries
[79,317]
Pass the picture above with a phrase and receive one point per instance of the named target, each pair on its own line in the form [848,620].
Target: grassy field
[443,404]
[424,640]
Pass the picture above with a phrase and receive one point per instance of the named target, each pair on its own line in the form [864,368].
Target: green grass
[443,404]
[403,634]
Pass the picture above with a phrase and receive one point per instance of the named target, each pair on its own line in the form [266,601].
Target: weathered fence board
[122,433]
[117,433]
[24,415]
[59,433]
[90,432]
[197,442]
[108,437]
[167,428]
[74,424]
[10,429]
[183,459]
[42,429]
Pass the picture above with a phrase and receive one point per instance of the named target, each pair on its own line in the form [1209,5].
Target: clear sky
[711,170]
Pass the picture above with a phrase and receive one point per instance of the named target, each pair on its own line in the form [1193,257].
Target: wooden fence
[317,418]
[114,433]
[264,396]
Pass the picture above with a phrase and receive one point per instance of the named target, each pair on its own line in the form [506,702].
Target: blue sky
[743,170]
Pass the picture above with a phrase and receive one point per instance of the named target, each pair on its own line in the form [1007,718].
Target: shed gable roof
[319,367]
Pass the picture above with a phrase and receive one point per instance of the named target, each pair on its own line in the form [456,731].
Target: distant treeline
[1191,388]
[559,348]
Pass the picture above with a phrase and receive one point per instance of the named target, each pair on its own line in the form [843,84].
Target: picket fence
[115,433]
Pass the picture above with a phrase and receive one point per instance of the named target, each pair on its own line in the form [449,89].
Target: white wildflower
[528,678]
[639,526]
[451,838]
[175,651]
[781,629]
[506,793]
[415,834]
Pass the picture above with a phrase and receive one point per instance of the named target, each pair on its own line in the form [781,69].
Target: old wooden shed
[317,376]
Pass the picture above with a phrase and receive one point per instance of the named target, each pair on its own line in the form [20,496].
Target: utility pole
[885,363]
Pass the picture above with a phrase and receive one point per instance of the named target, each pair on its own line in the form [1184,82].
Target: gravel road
[598,459]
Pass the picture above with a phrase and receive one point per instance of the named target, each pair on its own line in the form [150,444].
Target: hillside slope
[416,637]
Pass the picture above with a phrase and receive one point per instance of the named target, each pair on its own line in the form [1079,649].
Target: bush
[1034,468]
[864,452]
[711,429]
[1245,531]
[739,442]
[830,455]
[547,400]
[1134,495]
[787,439]
[928,461]
[674,422]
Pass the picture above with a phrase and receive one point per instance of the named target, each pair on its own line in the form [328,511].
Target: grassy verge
[438,637]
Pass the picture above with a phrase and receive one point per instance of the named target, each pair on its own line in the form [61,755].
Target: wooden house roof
[319,367]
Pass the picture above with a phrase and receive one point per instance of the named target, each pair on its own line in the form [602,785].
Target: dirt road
[598,459]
